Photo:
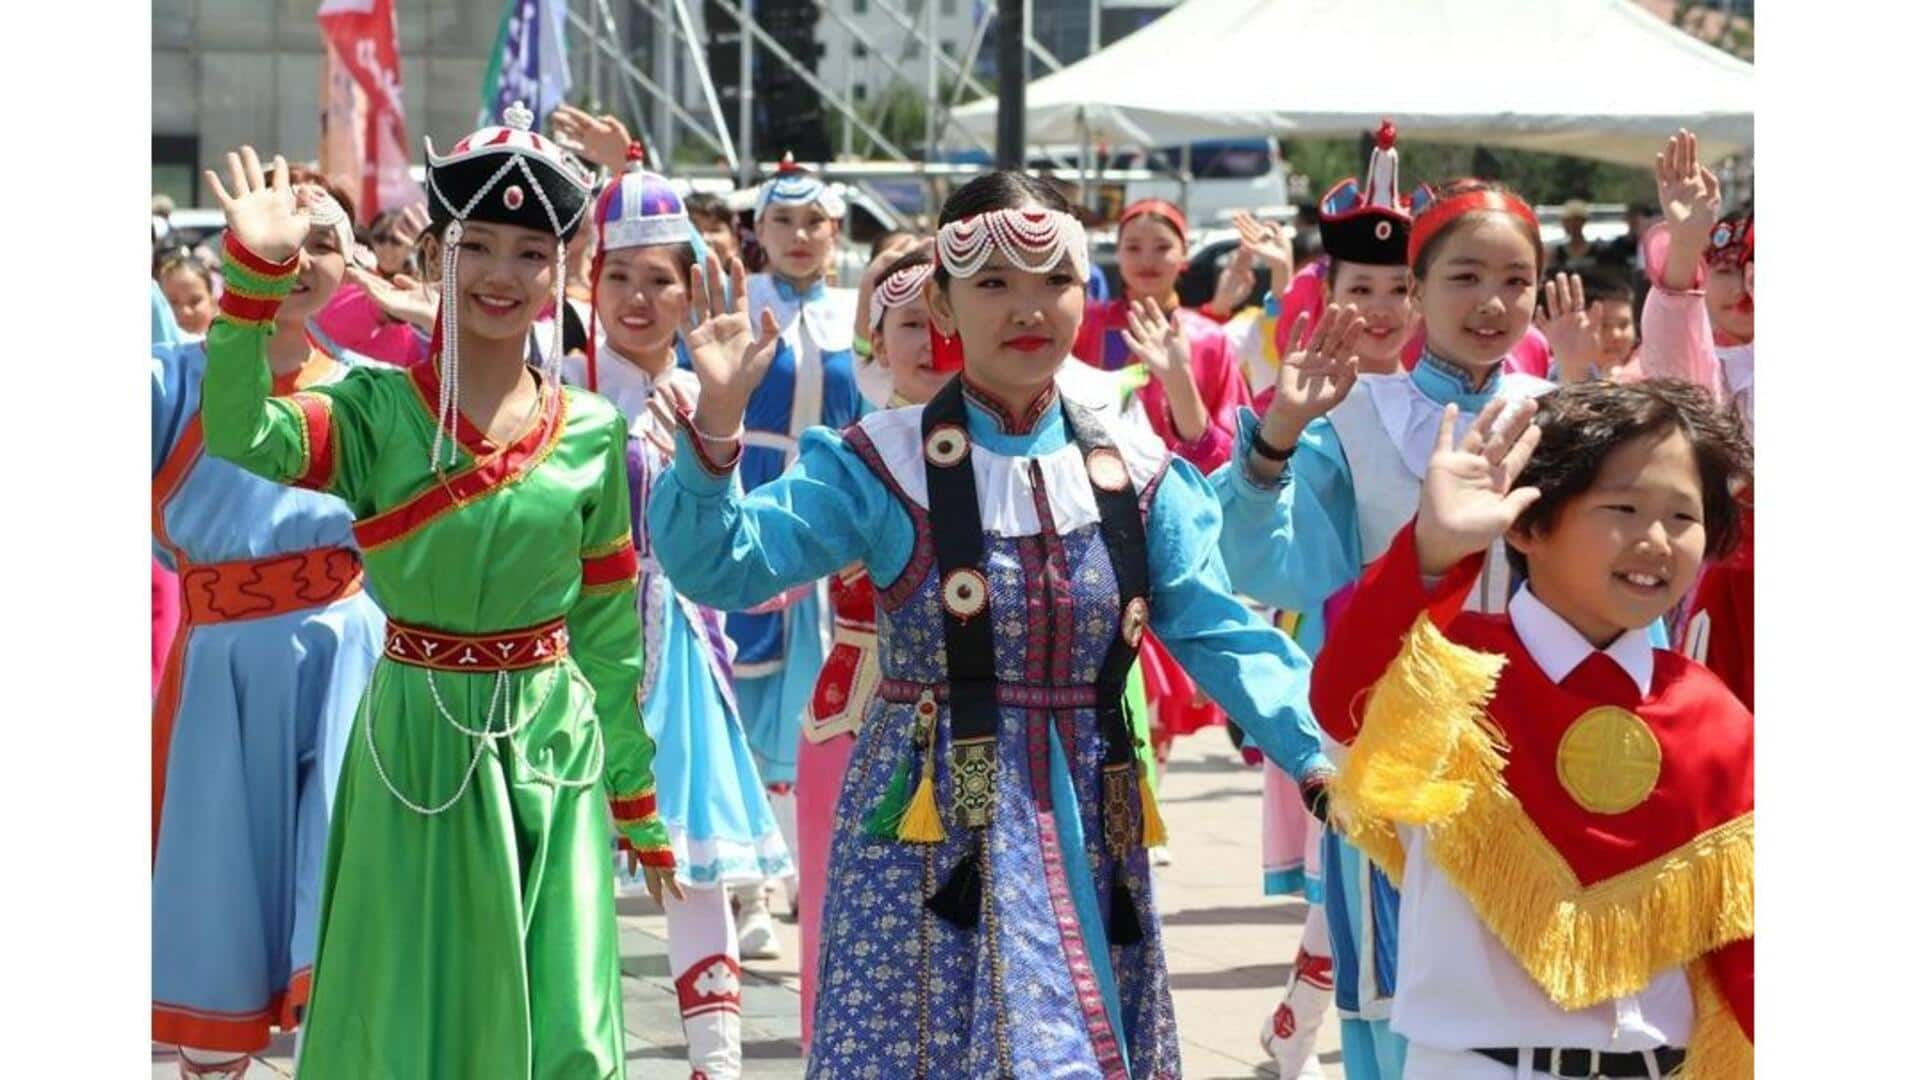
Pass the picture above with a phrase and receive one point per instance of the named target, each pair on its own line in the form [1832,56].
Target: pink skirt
[819,770]
[1289,838]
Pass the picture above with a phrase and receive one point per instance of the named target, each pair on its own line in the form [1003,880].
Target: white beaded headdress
[1034,240]
[896,290]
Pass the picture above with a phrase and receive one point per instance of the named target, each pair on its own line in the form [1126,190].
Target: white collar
[1558,648]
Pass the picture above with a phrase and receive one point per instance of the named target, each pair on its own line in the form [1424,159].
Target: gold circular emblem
[1106,470]
[965,593]
[946,445]
[1608,760]
[1133,621]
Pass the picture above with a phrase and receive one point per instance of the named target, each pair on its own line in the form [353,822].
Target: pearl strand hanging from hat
[517,117]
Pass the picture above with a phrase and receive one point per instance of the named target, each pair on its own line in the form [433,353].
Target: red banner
[363,44]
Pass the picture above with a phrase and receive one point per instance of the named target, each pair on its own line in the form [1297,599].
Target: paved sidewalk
[1229,948]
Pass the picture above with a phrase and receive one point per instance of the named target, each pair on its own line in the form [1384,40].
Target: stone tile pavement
[1228,947]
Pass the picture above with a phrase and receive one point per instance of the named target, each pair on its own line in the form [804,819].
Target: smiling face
[903,349]
[1383,295]
[1622,553]
[322,265]
[641,298]
[506,276]
[1151,257]
[1015,327]
[1477,296]
[797,239]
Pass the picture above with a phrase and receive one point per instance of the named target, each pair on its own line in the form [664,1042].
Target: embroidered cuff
[693,447]
[315,412]
[254,286]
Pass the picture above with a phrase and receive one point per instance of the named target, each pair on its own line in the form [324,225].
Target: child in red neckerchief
[1568,810]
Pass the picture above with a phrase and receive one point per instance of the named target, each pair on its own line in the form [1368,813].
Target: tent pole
[1186,179]
[1010,134]
[1086,159]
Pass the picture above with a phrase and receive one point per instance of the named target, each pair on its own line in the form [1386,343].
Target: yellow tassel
[1717,1049]
[921,825]
[1427,755]
[1153,830]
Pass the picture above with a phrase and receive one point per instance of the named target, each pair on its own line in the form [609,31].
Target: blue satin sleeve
[732,550]
[1253,671]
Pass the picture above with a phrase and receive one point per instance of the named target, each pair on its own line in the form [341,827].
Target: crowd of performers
[617,568]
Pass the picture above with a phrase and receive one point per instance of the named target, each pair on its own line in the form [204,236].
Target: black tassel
[958,901]
[1123,920]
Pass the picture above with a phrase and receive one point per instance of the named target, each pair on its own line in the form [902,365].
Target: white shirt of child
[1458,987]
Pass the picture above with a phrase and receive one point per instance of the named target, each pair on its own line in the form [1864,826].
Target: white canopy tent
[1600,79]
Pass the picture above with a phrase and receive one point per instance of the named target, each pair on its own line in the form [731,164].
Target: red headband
[1453,206]
[1156,206]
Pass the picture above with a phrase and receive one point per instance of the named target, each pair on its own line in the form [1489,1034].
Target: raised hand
[1155,339]
[1234,284]
[402,300]
[602,140]
[1315,377]
[1468,500]
[728,357]
[1268,241]
[1689,193]
[1574,338]
[262,213]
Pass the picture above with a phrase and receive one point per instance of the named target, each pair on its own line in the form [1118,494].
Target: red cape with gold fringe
[1602,838]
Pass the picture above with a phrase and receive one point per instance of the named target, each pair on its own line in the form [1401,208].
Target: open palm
[1317,376]
[262,213]
[1468,500]
[1689,193]
[1570,330]
[1154,338]
[728,357]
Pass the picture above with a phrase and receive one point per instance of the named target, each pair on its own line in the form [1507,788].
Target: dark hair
[1602,284]
[1438,240]
[385,219]
[167,260]
[708,207]
[1153,215]
[998,190]
[1333,271]
[682,258]
[886,237]
[1582,423]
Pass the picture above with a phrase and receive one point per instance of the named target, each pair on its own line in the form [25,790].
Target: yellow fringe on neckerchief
[1423,747]
[921,825]
[1153,830]
[1428,755]
[1717,1049]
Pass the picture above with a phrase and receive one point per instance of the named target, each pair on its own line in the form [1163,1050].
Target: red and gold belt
[275,585]
[507,650]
